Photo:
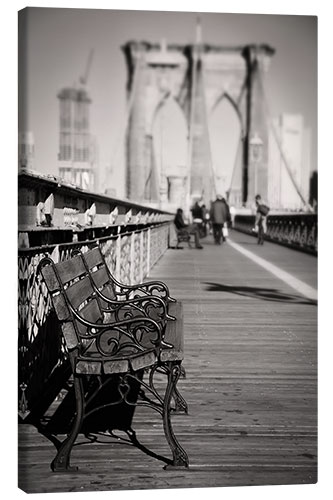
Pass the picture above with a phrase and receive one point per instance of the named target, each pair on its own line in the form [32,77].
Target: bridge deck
[251,386]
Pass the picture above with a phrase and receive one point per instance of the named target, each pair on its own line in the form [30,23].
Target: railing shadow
[268,294]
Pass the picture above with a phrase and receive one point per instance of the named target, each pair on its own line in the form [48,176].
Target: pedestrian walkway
[251,380]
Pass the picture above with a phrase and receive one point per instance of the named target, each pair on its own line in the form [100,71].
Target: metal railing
[298,231]
[42,357]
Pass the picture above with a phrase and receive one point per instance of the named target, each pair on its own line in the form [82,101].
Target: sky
[58,42]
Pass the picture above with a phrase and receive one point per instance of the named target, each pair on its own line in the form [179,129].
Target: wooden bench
[116,334]
[183,235]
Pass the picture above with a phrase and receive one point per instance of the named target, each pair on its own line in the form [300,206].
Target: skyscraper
[26,151]
[76,150]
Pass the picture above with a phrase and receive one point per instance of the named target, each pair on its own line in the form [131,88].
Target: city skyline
[59,41]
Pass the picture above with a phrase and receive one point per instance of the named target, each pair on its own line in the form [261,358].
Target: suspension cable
[278,142]
[240,142]
[213,172]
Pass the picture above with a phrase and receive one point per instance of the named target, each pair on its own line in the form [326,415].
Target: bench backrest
[99,273]
[69,285]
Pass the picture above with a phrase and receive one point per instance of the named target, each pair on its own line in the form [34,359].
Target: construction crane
[84,77]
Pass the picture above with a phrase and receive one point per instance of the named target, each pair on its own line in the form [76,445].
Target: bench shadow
[113,436]
[110,421]
[268,294]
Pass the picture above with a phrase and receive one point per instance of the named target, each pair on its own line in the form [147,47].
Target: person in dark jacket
[190,229]
[261,214]
[196,211]
[219,215]
[198,218]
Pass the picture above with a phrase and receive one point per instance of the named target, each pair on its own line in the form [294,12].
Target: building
[77,148]
[26,151]
[289,162]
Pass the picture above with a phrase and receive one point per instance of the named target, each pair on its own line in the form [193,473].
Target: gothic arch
[226,135]
[169,131]
[234,105]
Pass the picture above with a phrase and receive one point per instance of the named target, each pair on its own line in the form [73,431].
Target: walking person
[219,215]
[205,220]
[190,229]
[198,218]
[261,214]
[232,216]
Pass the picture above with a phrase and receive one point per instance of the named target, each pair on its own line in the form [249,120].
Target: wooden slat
[61,307]
[70,269]
[93,257]
[79,292]
[100,277]
[50,278]
[91,312]
[70,335]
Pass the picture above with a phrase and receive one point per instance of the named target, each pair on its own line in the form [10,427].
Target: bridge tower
[197,77]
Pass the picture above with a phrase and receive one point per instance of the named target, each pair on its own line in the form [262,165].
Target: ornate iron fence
[42,359]
[299,231]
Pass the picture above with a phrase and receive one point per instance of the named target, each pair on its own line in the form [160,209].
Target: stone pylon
[197,77]
[257,59]
[202,185]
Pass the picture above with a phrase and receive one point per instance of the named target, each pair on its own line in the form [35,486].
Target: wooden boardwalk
[251,384]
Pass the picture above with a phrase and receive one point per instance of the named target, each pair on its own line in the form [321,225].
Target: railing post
[148,249]
[141,256]
[132,258]
[118,256]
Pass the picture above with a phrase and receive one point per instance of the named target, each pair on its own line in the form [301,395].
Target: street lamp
[256,146]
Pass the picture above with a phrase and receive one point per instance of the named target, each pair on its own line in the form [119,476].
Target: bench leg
[180,458]
[180,403]
[62,459]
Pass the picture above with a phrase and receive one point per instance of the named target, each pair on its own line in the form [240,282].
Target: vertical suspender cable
[233,174]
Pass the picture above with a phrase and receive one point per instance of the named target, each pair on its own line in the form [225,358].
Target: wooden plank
[50,278]
[90,312]
[100,277]
[79,292]
[70,269]
[93,257]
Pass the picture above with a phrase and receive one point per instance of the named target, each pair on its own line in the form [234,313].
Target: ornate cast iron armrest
[133,329]
[147,288]
[142,304]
